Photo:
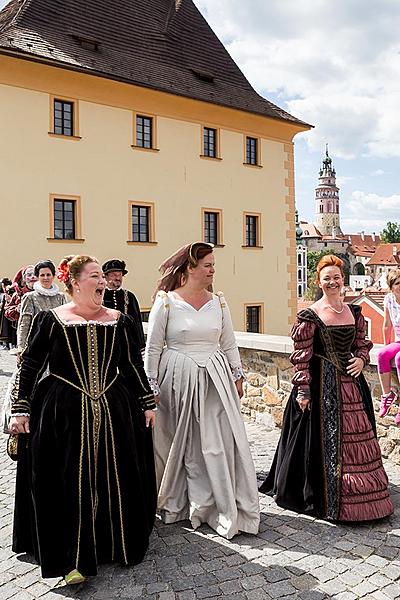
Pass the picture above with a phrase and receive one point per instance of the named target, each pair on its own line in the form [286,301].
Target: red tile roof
[386,255]
[363,245]
[161,44]
[309,230]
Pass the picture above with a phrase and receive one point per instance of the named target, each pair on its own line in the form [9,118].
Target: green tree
[391,233]
[313,258]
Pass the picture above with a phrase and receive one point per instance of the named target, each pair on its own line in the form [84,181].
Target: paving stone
[254,581]
[295,557]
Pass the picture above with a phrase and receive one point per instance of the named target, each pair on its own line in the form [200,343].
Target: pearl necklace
[338,312]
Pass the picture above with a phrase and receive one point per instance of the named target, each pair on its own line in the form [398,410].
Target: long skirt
[86,490]
[204,467]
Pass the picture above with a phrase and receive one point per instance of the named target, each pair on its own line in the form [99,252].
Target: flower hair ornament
[63,272]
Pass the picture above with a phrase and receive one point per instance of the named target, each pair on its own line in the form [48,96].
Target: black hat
[114,265]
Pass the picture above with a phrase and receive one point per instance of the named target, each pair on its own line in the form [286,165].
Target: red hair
[330,260]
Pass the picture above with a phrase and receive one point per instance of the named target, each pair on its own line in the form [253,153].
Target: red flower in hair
[63,272]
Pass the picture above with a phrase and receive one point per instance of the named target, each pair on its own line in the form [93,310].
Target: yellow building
[127,130]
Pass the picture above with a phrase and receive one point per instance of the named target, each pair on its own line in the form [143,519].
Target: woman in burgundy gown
[328,461]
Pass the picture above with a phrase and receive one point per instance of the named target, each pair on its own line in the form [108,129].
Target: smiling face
[89,288]
[45,277]
[203,274]
[30,277]
[331,281]
[114,279]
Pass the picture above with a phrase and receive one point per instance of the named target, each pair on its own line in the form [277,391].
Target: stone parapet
[266,362]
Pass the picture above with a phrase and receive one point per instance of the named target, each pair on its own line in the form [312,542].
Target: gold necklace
[338,312]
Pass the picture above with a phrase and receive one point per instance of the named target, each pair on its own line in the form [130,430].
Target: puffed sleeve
[12,307]
[131,364]
[25,320]
[303,336]
[361,346]
[227,340]
[157,325]
[34,359]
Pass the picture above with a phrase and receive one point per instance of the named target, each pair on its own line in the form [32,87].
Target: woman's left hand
[239,387]
[355,366]
[150,417]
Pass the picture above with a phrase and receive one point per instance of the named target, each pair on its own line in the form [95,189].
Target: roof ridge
[18,10]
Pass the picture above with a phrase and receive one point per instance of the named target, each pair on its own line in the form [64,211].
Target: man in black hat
[123,300]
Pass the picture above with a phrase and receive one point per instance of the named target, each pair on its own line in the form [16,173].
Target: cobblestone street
[293,556]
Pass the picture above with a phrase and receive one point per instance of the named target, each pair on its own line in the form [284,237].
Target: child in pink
[391,350]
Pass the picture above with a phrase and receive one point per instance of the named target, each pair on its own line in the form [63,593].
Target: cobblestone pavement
[293,556]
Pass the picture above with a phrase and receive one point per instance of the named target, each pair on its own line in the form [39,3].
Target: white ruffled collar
[52,291]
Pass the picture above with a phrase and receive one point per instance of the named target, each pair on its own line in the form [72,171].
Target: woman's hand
[150,417]
[18,425]
[304,403]
[239,387]
[355,367]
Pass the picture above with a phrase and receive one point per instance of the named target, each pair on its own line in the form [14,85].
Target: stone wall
[268,386]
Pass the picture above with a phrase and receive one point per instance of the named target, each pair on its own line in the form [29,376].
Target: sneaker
[386,402]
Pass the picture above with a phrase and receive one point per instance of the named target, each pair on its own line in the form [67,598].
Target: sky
[335,65]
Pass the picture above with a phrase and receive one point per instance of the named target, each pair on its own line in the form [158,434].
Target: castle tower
[327,200]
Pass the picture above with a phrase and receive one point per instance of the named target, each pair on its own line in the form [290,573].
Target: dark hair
[44,264]
[330,260]
[71,267]
[174,269]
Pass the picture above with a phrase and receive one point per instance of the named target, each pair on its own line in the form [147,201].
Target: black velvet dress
[86,491]
[328,461]
[126,302]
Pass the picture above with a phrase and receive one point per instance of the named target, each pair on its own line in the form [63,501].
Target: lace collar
[51,291]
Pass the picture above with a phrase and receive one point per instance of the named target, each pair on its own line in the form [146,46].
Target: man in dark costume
[123,300]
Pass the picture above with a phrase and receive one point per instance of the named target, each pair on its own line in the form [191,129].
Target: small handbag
[16,443]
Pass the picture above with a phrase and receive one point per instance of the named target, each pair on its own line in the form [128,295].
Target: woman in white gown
[204,467]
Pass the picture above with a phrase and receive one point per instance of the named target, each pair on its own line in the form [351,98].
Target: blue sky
[335,65]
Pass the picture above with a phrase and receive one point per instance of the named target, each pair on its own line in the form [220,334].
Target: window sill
[253,247]
[131,243]
[64,137]
[66,241]
[210,157]
[252,166]
[145,149]
[218,245]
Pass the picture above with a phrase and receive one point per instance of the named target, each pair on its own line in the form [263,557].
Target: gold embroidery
[80,474]
[106,433]
[116,479]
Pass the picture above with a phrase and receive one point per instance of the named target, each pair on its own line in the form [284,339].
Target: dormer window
[87,43]
[203,76]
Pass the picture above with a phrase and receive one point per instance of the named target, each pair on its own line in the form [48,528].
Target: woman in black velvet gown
[86,490]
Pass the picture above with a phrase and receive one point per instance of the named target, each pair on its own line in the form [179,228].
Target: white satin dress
[204,467]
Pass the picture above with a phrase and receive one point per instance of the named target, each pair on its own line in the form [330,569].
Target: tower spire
[327,199]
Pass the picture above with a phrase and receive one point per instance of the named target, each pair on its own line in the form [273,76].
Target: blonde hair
[392,277]
[71,267]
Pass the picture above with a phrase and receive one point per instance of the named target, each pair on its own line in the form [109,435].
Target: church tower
[327,200]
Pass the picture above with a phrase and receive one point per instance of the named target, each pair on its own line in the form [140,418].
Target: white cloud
[370,212]
[378,173]
[335,65]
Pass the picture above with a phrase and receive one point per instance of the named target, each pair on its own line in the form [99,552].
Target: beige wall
[106,173]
